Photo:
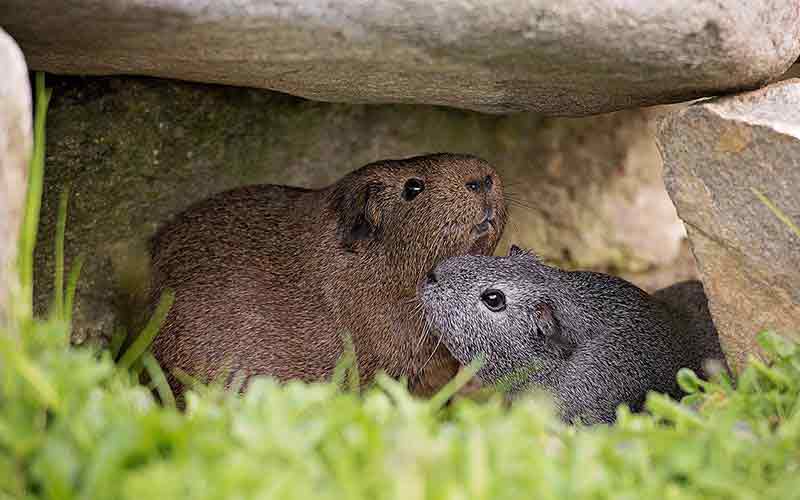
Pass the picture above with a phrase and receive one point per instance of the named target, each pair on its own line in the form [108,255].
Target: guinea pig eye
[494,300]
[412,188]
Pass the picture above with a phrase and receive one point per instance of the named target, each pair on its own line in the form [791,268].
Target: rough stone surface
[715,153]
[570,57]
[138,150]
[15,150]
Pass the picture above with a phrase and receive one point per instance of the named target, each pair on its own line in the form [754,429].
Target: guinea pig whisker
[439,341]
[513,193]
[523,204]
[513,202]
[413,301]
[523,208]
[417,316]
[435,253]
[510,193]
[421,321]
[425,331]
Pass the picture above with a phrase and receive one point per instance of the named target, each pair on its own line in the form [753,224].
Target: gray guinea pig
[592,340]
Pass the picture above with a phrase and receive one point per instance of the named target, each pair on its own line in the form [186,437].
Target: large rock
[715,153]
[15,151]
[587,191]
[570,57]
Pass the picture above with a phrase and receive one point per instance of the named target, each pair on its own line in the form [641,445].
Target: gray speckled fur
[592,340]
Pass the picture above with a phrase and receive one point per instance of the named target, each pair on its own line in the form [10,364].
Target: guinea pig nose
[488,214]
[431,278]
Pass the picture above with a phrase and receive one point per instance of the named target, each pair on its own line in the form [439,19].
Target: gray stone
[138,150]
[570,57]
[689,303]
[15,150]
[715,153]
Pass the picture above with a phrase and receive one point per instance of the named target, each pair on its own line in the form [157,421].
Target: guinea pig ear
[546,324]
[356,214]
[515,251]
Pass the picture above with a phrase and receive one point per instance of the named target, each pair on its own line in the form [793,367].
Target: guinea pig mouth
[481,243]
[480,246]
[487,222]
[484,227]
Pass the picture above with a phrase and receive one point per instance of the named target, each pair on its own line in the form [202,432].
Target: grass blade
[32,374]
[345,373]
[72,285]
[158,379]
[117,340]
[186,379]
[61,224]
[460,380]
[777,211]
[144,339]
[33,201]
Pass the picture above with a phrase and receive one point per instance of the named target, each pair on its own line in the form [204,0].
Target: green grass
[76,425]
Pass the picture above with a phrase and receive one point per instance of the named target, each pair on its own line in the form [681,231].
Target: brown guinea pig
[268,279]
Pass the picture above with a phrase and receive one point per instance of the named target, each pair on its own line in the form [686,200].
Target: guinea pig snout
[486,222]
[430,278]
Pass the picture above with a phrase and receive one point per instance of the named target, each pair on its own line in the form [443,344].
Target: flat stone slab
[569,57]
[715,155]
[15,150]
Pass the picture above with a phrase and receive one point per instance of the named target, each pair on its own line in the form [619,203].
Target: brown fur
[267,278]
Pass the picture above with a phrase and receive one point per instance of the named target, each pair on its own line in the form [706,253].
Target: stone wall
[587,192]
